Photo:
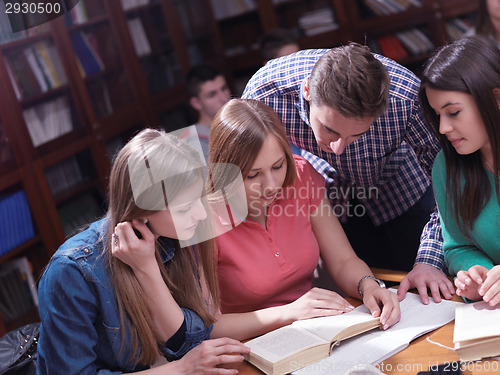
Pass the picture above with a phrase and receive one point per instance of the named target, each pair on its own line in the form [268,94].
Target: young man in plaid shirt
[357,115]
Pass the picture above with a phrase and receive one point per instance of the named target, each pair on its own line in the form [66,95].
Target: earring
[145,221]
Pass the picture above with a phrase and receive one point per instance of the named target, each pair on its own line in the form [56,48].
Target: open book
[477,331]
[306,341]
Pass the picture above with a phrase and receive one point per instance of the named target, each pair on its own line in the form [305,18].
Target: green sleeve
[459,252]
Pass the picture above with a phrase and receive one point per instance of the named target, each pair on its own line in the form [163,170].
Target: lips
[455,141]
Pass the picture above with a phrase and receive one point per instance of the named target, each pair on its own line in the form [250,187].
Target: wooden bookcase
[241,31]
[119,67]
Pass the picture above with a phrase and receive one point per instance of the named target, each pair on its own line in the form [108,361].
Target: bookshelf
[75,89]
[363,21]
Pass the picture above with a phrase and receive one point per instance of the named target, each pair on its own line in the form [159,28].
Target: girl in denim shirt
[132,287]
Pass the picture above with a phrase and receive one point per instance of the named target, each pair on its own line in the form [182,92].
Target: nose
[269,184]
[444,126]
[199,212]
[338,146]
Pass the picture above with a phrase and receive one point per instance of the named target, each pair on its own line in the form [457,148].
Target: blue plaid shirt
[388,169]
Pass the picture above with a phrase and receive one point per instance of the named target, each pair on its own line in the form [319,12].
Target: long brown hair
[237,134]
[469,65]
[181,274]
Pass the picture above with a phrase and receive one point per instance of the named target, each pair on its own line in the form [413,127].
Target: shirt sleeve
[426,147]
[68,307]
[459,252]
[196,333]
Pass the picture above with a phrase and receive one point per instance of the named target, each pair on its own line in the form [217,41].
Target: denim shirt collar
[167,248]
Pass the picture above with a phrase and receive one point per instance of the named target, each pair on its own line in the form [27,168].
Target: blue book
[88,58]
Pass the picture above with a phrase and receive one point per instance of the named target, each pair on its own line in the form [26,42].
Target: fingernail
[383,321]
[385,326]
[467,280]
[350,307]
[481,292]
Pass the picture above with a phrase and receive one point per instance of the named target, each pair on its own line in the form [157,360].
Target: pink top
[260,268]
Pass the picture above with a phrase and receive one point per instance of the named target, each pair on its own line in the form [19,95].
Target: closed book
[477,331]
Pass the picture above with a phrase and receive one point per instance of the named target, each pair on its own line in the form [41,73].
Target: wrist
[367,282]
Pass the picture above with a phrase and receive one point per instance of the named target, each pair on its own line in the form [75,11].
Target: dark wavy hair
[470,65]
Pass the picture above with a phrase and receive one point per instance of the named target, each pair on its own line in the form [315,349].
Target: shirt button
[277,254]
[86,251]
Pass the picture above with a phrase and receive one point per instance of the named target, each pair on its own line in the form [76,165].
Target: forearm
[241,326]
[166,313]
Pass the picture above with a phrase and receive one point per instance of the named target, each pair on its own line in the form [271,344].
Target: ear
[195,103]
[496,93]
[306,94]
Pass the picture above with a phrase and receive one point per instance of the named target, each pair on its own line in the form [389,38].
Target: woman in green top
[460,99]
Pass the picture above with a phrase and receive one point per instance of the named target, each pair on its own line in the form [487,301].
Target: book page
[476,320]
[329,327]
[375,346]
[283,342]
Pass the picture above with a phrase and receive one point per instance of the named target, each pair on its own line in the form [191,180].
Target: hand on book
[479,283]
[424,276]
[204,358]
[375,297]
[315,303]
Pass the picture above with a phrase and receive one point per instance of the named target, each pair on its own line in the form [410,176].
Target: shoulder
[306,174]
[84,248]
[404,83]
[282,75]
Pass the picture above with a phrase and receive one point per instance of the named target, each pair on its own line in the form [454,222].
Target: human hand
[424,276]
[468,282]
[204,358]
[375,297]
[317,302]
[490,289]
[138,253]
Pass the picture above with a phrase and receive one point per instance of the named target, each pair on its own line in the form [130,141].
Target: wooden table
[418,356]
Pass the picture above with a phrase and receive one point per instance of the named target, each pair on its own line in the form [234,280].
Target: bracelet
[379,282]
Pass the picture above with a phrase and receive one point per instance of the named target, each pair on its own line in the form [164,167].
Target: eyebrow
[276,162]
[448,104]
[337,133]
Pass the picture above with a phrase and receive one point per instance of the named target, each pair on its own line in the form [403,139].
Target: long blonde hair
[173,157]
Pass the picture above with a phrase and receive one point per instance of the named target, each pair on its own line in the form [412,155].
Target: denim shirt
[80,331]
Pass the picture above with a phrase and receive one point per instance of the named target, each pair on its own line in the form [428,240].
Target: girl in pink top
[266,263]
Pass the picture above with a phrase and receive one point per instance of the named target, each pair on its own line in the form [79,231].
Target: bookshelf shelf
[110,88]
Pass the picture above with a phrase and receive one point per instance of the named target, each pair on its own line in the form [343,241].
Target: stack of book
[411,42]
[388,7]
[129,4]
[16,225]
[18,292]
[48,120]
[229,8]
[457,27]
[477,331]
[318,21]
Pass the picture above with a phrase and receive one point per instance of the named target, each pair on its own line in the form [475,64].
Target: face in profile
[182,216]
[459,120]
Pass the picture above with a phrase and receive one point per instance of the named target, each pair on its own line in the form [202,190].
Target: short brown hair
[350,80]
[237,134]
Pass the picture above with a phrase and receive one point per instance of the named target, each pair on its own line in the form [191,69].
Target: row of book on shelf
[79,212]
[16,225]
[35,69]
[388,7]
[398,46]
[18,291]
